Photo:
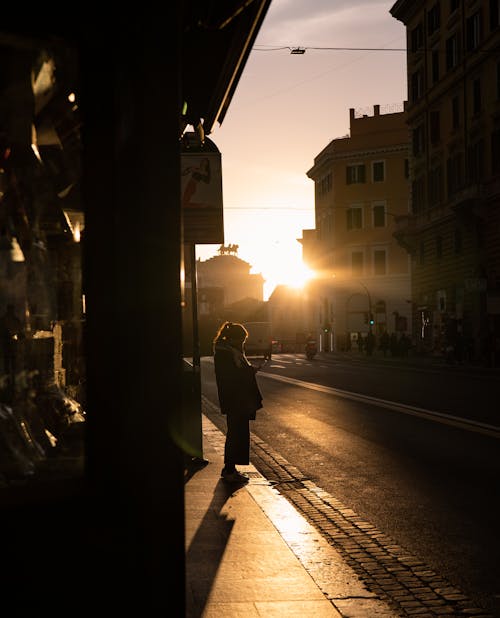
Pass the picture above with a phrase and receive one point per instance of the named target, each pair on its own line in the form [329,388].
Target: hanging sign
[201,195]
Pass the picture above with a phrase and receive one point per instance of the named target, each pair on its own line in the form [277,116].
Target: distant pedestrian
[360,342]
[239,396]
[394,344]
[370,343]
[384,342]
[404,345]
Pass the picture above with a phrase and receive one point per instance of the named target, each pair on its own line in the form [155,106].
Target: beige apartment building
[361,197]
[453,114]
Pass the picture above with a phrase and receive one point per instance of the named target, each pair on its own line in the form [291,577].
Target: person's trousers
[237,446]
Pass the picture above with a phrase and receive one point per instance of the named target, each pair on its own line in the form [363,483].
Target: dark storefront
[91,408]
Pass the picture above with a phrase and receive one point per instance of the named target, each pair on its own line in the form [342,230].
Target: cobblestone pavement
[406,583]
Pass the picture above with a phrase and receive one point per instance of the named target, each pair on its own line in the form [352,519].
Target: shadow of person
[206,549]
[192,465]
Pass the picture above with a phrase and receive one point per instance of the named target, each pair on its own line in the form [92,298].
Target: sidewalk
[250,554]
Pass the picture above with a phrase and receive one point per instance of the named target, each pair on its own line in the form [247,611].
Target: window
[457,241]
[435,66]
[417,38]
[418,140]
[435,186]
[479,235]
[454,172]
[433,19]
[435,129]
[379,215]
[495,152]
[494,14]
[452,52]
[418,195]
[357,263]
[455,112]
[379,262]
[473,30]
[475,161]
[439,247]
[42,380]
[325,184]
[378,171]
[417,89]
[476,96]
[355,174]
[354,218]
[324,223]
[421,253]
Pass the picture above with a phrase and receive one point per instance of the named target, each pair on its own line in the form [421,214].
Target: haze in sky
[287,108]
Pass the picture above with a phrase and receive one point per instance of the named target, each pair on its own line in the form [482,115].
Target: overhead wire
[300,47]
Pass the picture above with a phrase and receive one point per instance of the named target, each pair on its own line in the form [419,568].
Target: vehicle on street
[260,341]
[311,349]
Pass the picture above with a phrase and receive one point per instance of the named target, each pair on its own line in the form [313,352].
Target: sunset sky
[287,108]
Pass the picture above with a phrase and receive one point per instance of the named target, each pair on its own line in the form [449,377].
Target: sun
[287,270]
[298,275]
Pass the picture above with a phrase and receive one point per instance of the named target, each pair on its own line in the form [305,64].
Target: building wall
[361,192]
[290,316]
[454,121]
[232,275]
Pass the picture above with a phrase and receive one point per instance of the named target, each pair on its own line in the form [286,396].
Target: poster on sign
[201,195]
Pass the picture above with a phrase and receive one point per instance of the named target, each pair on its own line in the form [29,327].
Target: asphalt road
[417,472]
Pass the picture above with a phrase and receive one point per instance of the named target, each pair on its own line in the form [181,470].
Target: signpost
[202,223]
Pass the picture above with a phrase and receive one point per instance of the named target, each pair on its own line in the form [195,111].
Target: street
[423,469]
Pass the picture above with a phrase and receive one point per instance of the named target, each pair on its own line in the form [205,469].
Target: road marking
[438,417]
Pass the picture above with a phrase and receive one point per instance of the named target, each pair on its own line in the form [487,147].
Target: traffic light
[372,321]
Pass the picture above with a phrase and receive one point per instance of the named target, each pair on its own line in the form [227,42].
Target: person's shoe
[234,477]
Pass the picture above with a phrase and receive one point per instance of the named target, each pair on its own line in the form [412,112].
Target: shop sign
[201,194]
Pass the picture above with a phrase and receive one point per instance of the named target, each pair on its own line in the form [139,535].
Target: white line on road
[438,417]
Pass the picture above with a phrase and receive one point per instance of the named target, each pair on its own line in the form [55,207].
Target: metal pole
[369,306]
[194,305]
[197,413]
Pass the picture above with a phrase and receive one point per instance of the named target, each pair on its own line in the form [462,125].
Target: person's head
[233,333]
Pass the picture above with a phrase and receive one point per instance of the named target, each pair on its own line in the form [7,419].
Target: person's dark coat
[238,391]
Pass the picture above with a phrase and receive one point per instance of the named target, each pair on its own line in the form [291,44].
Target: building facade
[230,274]
[453,115]
[290,314]
[363,282]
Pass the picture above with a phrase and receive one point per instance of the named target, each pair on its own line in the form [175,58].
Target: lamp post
[370,314]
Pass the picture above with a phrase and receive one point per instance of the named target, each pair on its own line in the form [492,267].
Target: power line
[301,50]
[420,50]
[283,209]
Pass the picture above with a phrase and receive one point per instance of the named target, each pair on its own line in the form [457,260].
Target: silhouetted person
[404,344]
[384,342]
[239,396]
[394,344]
[360,342]
[370,343]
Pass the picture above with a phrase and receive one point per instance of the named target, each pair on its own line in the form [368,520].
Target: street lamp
[370,313]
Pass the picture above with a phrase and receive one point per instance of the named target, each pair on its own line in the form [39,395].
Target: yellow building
[453,113]
[361,195]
